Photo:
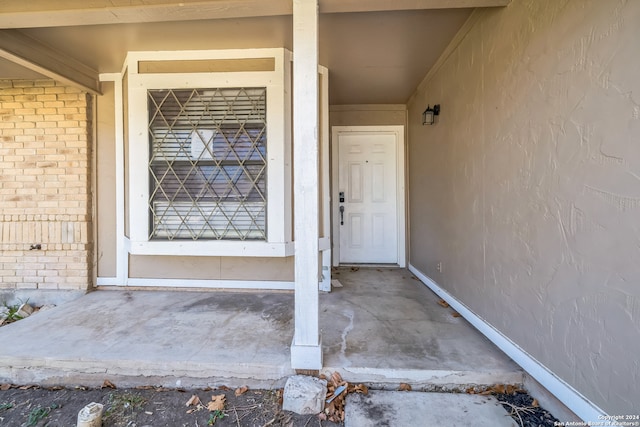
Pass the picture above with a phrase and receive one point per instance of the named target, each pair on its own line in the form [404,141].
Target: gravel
[520,406]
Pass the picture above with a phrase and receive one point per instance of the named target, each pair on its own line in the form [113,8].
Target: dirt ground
[148,406]
[33,406]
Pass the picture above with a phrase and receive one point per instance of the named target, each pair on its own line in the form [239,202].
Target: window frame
[278,105]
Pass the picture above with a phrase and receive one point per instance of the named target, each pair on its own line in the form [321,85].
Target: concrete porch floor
[382,327]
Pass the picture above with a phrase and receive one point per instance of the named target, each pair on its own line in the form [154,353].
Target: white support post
[122,243]
[325,197]
[306,349]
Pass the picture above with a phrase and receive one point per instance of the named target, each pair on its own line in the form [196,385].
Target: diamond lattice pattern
[207,163]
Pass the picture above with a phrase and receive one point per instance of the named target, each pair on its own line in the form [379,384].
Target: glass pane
[207,163]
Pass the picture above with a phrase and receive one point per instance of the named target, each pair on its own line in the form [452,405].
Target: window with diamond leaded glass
[207,164]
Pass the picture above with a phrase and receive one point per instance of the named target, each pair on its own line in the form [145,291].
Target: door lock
[342,197]
[341,215]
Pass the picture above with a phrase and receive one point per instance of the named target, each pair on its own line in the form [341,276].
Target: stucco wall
[367,115]
[528,188]
[106,237]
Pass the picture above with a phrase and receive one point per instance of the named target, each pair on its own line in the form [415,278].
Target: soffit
[373,57]
[42,13]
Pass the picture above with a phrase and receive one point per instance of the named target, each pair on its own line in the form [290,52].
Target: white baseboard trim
[192,283]
[108,281]
[570,397]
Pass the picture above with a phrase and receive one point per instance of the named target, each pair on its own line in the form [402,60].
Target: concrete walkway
[410,409]
[383,327]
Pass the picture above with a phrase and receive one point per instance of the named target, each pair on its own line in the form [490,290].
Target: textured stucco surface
[106,238]
[367,115]
[528,187]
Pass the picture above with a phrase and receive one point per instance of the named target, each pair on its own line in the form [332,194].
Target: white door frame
[398,131]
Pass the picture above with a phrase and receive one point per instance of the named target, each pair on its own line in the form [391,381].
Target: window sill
[212,248]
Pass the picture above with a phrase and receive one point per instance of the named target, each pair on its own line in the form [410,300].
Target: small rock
[90,415]
[304,395]
[25,310]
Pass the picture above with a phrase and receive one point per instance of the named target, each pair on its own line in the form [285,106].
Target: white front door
[367,197]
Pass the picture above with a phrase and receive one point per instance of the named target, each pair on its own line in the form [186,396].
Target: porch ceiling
[374,55]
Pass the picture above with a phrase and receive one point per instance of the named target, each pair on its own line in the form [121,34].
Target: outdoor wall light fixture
[429,115]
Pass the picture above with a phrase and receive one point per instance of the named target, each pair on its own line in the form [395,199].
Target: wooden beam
[306,350]
[47,13]
[36,56]
[345,6]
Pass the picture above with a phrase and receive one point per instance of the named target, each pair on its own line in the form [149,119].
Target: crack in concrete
[343,346]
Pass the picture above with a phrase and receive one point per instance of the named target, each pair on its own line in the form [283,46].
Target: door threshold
[367,265]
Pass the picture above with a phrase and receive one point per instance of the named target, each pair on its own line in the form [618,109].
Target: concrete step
[428,380]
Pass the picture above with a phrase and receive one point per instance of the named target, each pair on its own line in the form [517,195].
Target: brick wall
[45,188]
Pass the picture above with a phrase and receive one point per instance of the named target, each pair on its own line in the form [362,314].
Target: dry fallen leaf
[499,388]
[404,387]
[191,411]
[5,387]
[443,303]
[26,387]
[337,391]
[359,388]
[224,388]
[108,384]
[471,390]
[456,314]
[195,400]
[217,403]
[330,408]
[336,379]
[511,389]
[241,390]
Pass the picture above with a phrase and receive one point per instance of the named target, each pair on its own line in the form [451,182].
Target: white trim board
[195,283]
[570,397]
[122,243]
[212,248]
[278,181]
